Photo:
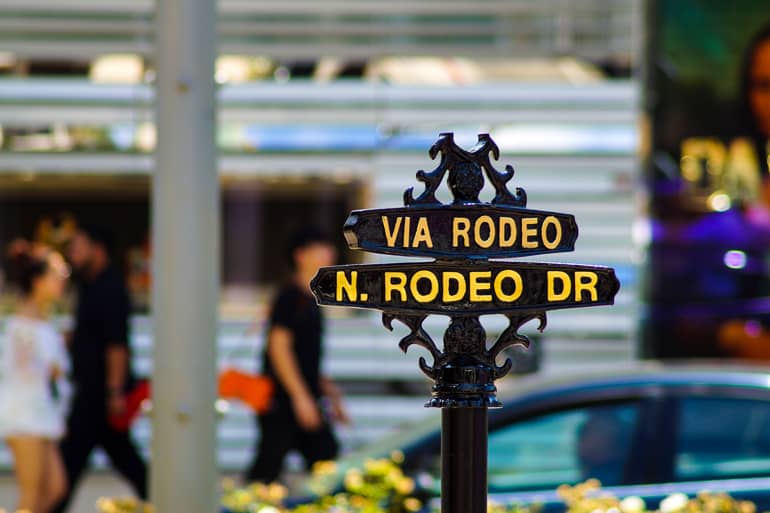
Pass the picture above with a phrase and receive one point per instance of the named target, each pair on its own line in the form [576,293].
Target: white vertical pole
[185,237]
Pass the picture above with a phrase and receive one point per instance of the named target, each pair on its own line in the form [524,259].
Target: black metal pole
[464,460]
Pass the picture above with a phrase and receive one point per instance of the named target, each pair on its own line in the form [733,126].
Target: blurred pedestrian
[33,368]
[101,370]
[292,358]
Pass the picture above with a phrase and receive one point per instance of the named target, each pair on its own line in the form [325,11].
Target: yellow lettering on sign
[460,228]
[422,234]
[407,231]
[448,277]
[566,285]
[528,231]
[347,287]
[478,286]
[395,282]
[390,236]
[415,288]
[484,243]
[554,242]
[586,281]
[518,286]
[507,232]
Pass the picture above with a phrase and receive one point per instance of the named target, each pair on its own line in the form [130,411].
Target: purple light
[752,329]
[735,259]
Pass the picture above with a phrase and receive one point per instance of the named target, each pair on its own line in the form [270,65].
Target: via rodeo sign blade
[462,282]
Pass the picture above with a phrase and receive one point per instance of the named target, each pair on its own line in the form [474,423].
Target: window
[260,217]
[722,438]
[563,447]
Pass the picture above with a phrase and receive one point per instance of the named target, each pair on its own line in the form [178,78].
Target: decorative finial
[466,179]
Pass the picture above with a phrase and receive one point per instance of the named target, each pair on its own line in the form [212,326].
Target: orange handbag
[253,389]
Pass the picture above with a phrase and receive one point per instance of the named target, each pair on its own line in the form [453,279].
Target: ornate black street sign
[463,283]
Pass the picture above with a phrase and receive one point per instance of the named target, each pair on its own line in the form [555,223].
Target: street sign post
[464,284]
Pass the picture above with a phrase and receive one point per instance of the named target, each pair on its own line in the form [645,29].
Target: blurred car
[647,430]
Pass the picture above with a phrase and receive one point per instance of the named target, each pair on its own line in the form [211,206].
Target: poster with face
[707,113]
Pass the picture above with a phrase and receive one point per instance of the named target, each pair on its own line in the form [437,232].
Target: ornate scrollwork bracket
[464,372]
[511,337]
[417,336]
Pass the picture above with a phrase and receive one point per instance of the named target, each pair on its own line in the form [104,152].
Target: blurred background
[623,113]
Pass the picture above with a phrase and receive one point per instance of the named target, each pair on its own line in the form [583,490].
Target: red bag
[134,399]
[254,390]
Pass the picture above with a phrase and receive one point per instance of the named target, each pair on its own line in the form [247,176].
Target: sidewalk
[92,487]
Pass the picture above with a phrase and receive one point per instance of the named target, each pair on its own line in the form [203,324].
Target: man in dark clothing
[292,359]
[100,365]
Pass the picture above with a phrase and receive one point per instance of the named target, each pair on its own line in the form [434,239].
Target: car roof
[522,391]
[519,393]
[639,374]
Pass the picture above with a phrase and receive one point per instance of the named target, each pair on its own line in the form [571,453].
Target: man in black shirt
[100,364]
[292,359]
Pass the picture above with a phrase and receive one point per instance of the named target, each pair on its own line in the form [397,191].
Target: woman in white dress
[33,366]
